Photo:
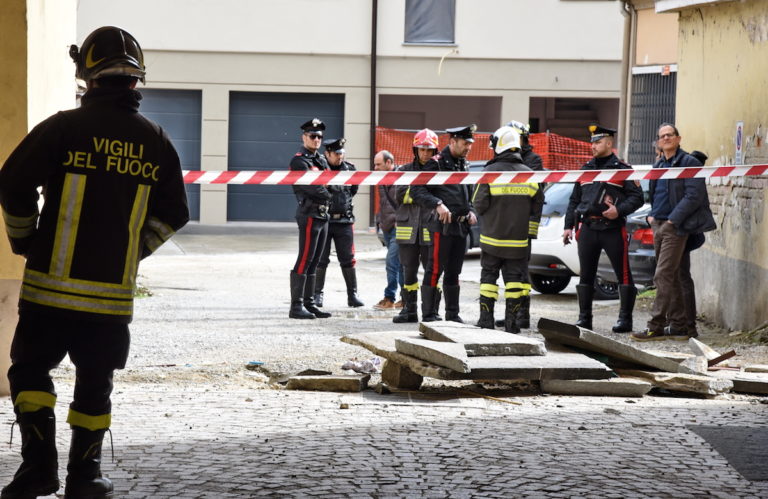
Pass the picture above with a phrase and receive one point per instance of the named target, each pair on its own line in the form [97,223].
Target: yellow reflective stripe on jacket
[514,189]
[403,233]
[517,285]
[407,199]
[42,399]
[504,243]
[533,228]
[18,227]
[18,233]
[489,290]
[67,223]
[76,302]
[136,222]
[93,423]
[79,286]
[162,229]
[426,236]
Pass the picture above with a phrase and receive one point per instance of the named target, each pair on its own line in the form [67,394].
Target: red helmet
[425,139]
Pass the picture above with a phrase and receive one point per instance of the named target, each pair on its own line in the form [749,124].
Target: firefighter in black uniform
[412,232]
[506,211]
[312,218]
[340,227]
[113,194]
[596,217]
[450,228]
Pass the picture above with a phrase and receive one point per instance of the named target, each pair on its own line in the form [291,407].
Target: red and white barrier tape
[328,177]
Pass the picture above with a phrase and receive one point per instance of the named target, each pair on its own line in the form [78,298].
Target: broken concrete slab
[680,382]
[613,387]
[482,342]
[745,382]
[450,355]
[569,334]
[756,368]
[697,364]
[676,356]
[400,376]
[558,363]
[702,349]
[329,383]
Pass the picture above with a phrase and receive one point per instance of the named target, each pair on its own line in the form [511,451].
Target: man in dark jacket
[596,217]
[385,218]
[450,228]
[679,208]
[113,194]
[506,211]
[340,227]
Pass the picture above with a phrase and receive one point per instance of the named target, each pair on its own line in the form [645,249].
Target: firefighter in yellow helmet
[113,194]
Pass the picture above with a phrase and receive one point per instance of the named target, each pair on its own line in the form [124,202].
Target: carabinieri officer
[312,219]
[596,217]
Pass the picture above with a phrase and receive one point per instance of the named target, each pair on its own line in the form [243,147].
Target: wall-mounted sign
[739,143]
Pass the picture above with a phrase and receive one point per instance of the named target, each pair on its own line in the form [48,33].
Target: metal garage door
[179,112]
[264,134]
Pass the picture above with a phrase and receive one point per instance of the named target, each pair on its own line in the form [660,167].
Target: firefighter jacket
[113,192]
[412,219]
[341,197]
[507,210]
[533,161]
[457,198]
[588,199]
[314,200]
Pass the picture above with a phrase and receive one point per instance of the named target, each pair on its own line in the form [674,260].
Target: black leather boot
[350,278]
[309,299]
[486,312]
[452,303]
[524,314]
[298,311]
[319,285]
[627,294]
[38,474]
[438,297]
[428,311]
[84,480]
[510,315]
[409,312]
[584,294]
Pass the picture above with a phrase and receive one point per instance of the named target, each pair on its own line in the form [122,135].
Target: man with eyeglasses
[312,219]
[679,209]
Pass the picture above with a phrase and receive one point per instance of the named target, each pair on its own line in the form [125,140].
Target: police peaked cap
[313,125]
[598,132]
[463,132]
[335,145]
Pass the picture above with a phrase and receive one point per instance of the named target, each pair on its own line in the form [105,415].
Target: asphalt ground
[190,420]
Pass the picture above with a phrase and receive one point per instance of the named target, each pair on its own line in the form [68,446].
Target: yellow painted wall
[656,38]
[723,79]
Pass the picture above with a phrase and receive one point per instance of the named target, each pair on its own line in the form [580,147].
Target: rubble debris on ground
[353,383]
[481,342]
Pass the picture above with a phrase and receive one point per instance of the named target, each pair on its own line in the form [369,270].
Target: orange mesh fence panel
[557,152]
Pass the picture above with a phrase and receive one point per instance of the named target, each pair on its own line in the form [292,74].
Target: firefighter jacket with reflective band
[314,200]
[588,199]
[455,197]
[509,212]
[412,220]
[113,193]
[341,197]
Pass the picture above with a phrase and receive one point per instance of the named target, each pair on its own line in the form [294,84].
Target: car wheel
[605,290]
[549,284]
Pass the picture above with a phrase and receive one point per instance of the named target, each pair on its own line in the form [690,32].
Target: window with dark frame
[430,21]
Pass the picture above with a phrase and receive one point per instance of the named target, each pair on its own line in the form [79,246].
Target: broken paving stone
[756,368]
[313,372]
[745,382]
[450,355]
[679,382]
[328,383]
[614,387]
[482,342]
[698,364]
[702,349]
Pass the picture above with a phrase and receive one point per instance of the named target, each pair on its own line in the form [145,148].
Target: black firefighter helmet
[108,51]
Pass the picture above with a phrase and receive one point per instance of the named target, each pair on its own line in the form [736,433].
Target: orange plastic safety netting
[557,152]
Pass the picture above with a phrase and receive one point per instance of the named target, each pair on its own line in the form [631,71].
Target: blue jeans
[394,269]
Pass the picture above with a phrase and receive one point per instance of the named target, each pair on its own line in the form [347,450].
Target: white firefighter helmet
[505,138]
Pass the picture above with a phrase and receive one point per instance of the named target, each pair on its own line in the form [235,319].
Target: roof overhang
[678,5]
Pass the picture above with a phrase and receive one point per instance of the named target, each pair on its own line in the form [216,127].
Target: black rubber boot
[298,311]
[627,294]
[452,303]
[350,278]
[319,285]
[309,299]
[524,314]
[584,294]
[428,311]
[409,312]
[510,315]
[38,474]
[84,480]
[486,312]
[438,297]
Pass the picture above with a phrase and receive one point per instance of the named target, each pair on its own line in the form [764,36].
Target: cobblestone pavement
[189,421]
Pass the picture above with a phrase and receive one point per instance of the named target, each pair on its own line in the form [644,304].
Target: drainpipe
[625,100]
[372,152]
